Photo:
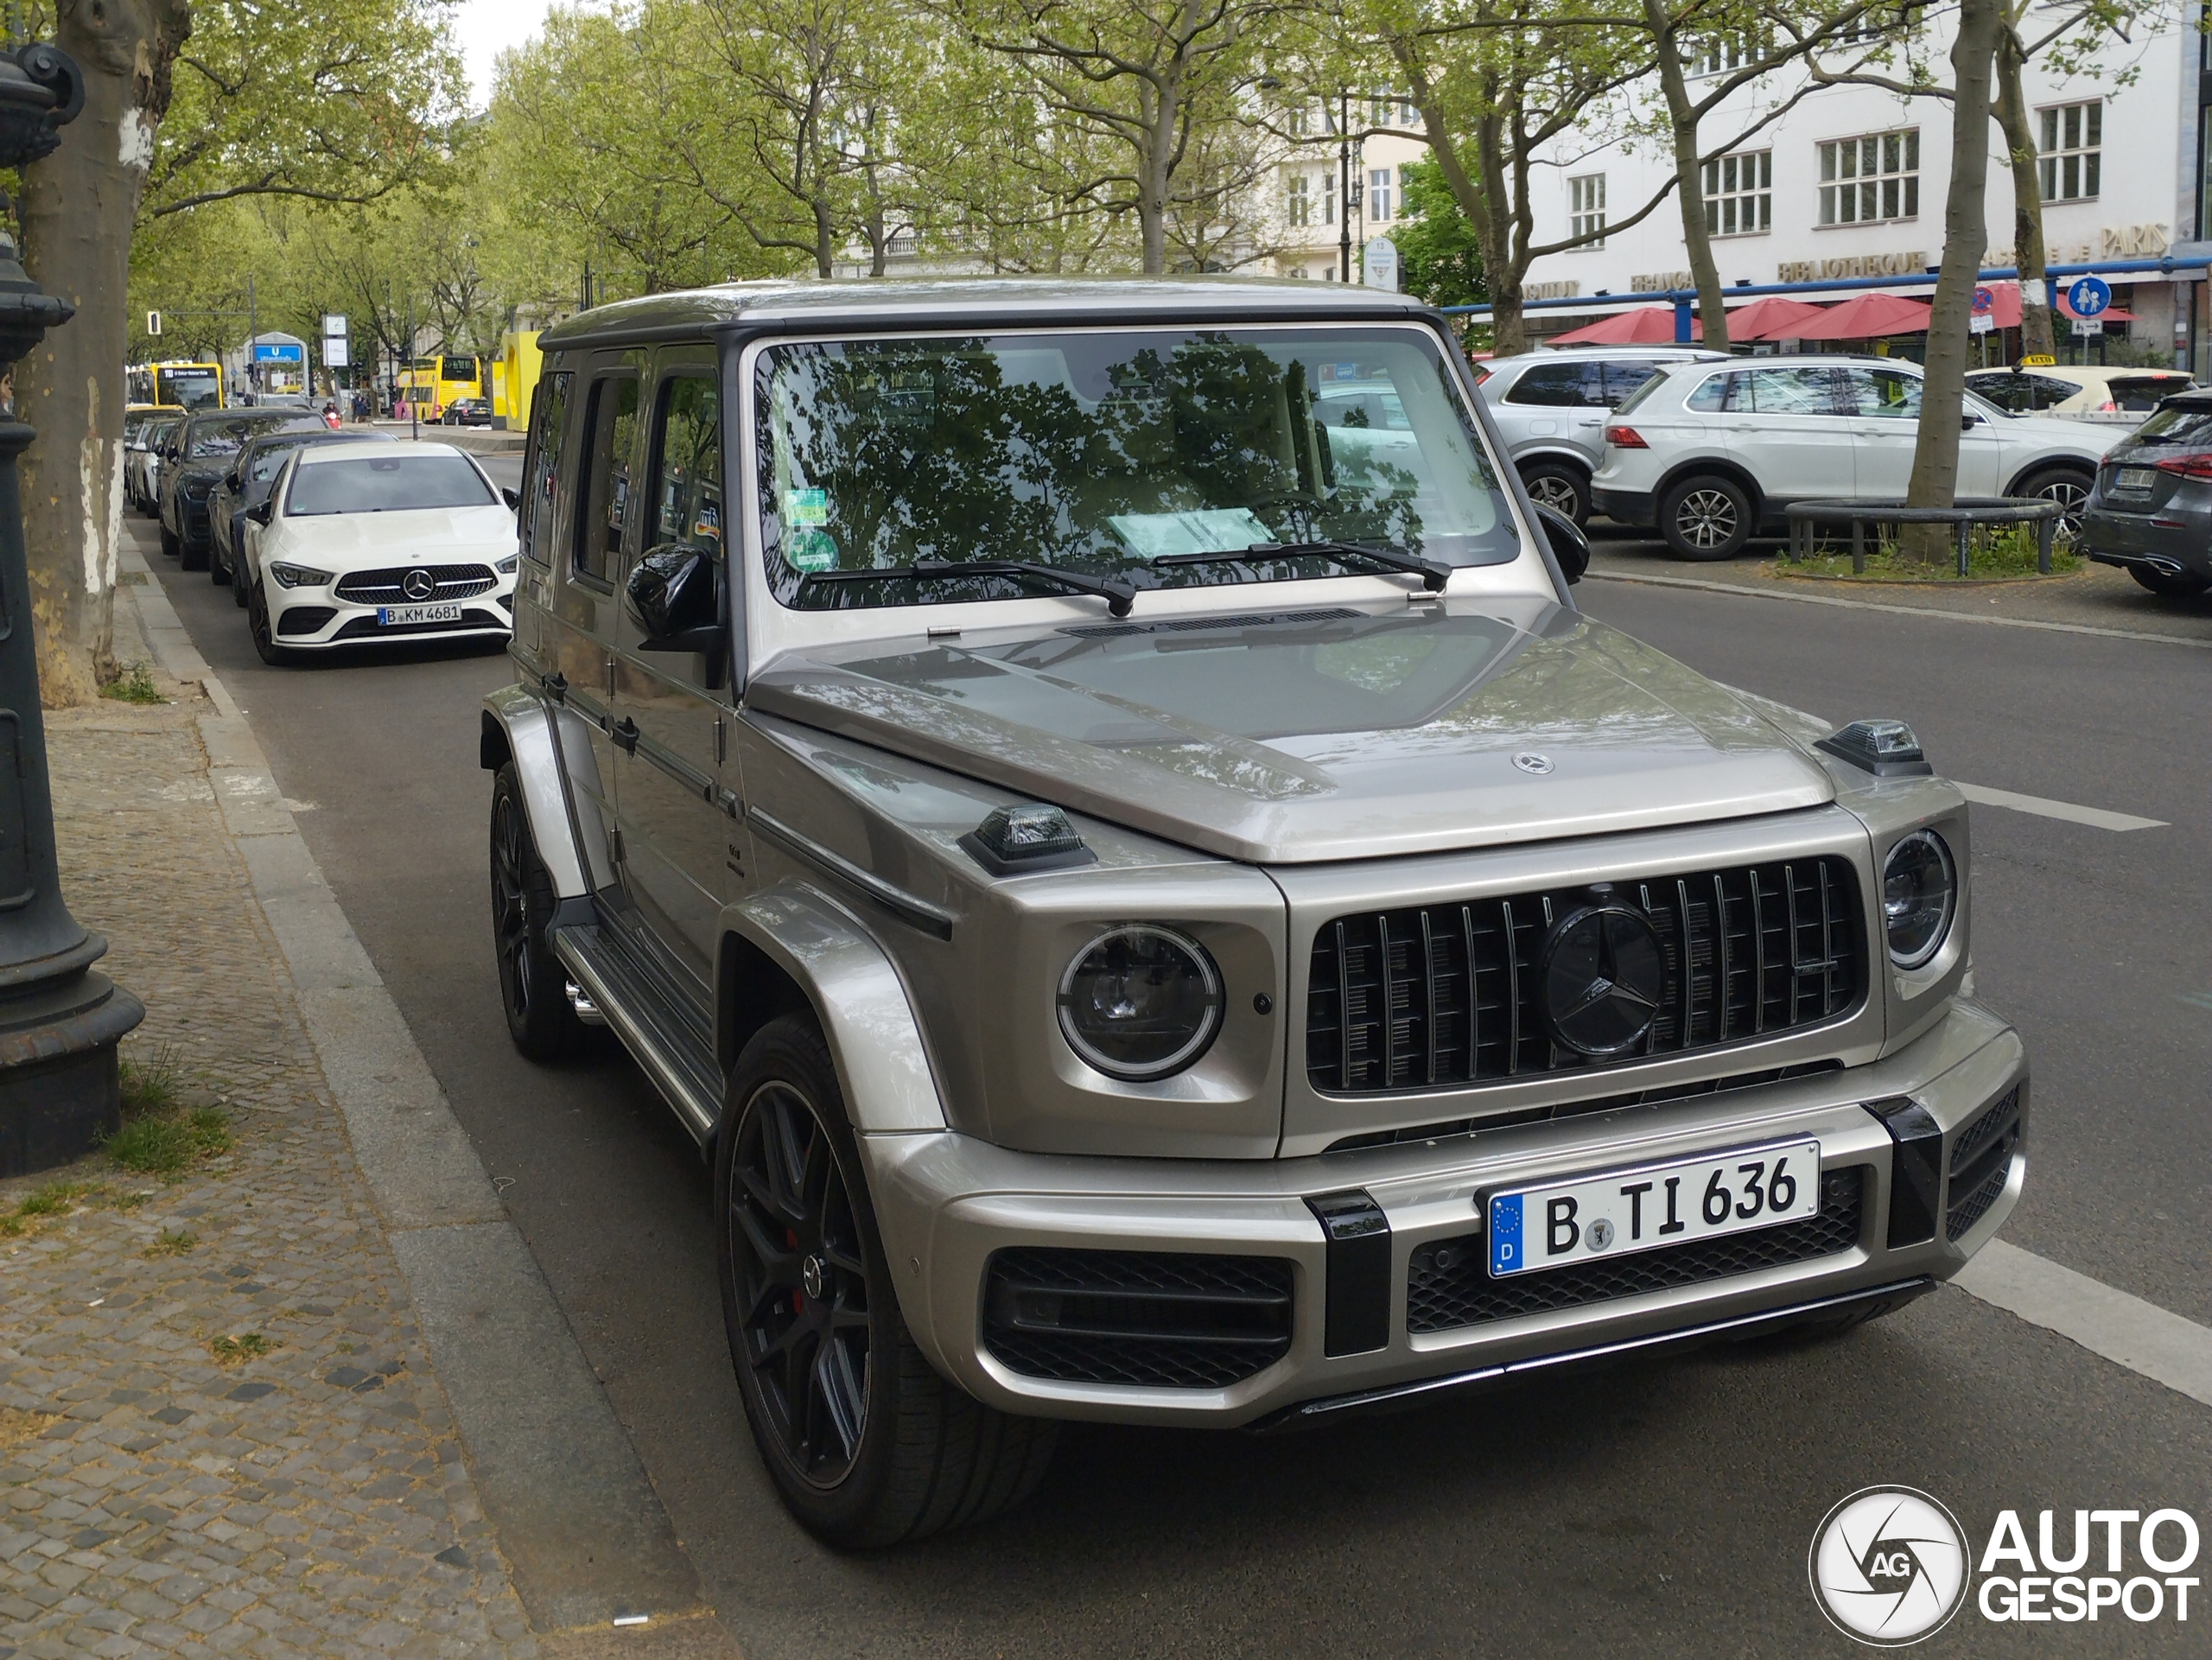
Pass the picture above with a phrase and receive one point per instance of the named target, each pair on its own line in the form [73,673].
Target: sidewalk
[305,1395]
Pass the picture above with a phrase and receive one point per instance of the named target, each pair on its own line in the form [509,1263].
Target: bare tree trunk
[1966,232]
[1155,164]
[1682,118]
[78,207]
[2036,333]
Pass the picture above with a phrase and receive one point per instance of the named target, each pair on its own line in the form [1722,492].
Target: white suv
[1711,455]
[1551,407]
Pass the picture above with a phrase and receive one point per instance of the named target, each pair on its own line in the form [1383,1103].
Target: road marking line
[2127,1331]
[1983,796]
[1899,610]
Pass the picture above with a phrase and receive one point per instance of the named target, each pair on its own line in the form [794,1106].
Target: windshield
[191,388]
[1100,451]
[385,484]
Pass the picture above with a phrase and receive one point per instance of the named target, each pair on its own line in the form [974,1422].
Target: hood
[1320,735]
[420,534]
[2083,437]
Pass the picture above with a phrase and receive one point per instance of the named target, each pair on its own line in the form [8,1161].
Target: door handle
[625,734]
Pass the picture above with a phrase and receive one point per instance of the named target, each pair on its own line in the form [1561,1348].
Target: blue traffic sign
[2089,296]
[278,352]
[1984,302]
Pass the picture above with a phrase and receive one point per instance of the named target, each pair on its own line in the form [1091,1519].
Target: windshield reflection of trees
[929,451]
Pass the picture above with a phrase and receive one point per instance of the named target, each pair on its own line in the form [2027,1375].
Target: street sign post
[2089,297]
[1379,263]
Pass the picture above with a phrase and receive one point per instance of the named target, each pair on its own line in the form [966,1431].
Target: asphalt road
[1657,1510]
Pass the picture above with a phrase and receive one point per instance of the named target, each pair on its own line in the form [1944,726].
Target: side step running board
[650,1019]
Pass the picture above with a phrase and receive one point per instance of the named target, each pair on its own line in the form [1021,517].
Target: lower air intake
[1160,1319]
[1981,1163]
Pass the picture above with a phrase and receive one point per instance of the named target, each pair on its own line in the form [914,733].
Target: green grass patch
[167,1144]
[1995,550]
[172,1242]
[133,684]
[237,1351]
[56,1198]
[150,1085]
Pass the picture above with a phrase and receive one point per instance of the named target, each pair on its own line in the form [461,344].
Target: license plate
[1676,1203]
[2136,478]
[389,614]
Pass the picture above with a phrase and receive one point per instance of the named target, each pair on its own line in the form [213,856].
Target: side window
[1793,392]
[604,497]
[548,412]
[687,495]
[1556,385]
[1884,392]
[1623,378]
[1720,393]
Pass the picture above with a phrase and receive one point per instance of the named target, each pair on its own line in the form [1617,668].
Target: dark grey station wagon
[1096,805]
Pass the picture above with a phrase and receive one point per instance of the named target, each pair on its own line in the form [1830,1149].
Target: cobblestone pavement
[219,1432]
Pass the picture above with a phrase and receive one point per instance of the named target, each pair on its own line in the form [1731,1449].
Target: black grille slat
[382,587]
[1156,1319]
[1445,996]
[1981,1164]
[1447,1287]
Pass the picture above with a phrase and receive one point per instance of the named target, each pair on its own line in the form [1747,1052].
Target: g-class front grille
[1162,1319]
[1447,1286]
[389,586]
[1981,1163]
[1449,994]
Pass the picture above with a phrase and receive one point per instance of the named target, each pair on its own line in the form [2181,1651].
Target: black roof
[788,305]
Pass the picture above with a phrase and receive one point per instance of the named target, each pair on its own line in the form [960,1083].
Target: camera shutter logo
[1889,1566]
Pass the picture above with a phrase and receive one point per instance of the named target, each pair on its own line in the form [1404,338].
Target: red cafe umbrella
[1869,316]
[2005,307]
[1774,318]
[1645,325]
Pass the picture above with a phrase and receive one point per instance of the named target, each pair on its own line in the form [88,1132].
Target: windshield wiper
[1119,596]
[1433,573]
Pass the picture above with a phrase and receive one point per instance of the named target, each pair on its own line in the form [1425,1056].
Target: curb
[576,1514]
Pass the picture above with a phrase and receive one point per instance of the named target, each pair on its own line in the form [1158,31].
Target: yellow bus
[433,383]
[190,386]
[514,379]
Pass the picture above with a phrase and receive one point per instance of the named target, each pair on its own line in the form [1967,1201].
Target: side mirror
[1569,546]
[1968,420]
[262,511]
[512,498]
[674,597]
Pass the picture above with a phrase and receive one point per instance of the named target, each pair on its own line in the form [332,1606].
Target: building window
[1875,177]
[1720,54]
[1328,199]
[1378,193]
[2073,137]
[1586,208]
[1301,199]
[1392,113]
[1738,193]
[1882,23]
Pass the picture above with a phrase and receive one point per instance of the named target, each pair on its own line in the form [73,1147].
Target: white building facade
[1850,183]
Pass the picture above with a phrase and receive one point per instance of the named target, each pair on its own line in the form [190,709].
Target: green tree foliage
[1437,246]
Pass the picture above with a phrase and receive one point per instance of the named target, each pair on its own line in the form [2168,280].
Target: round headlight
[1920,890]
[1140,1002]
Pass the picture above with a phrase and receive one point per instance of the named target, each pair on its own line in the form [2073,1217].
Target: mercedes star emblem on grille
[418,585]
[1603,978]
[1529,762]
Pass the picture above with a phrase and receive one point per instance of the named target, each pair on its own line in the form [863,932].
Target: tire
[265,638]
[240,583]
[1706,518]
[2179,585]
[218,570]
[880,1449]
[533,984]
[1560,486]
[2066,486]
[170,545]
[195,558]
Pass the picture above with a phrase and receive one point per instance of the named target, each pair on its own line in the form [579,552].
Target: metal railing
[1963,516]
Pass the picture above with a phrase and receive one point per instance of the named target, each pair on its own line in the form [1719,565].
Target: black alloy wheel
[2070,489]
[533,984]
[868,1446]
[2171,584]
[1560,486]
[218,569]
[1706,518]
[258,624]
[241,584]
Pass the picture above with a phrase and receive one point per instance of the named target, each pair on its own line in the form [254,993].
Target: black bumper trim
[1332,1408]
[1639,507]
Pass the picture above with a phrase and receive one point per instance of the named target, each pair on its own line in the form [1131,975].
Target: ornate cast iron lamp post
[59,1022]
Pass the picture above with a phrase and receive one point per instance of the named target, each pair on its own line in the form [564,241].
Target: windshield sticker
[1213,530]
[806,507]
[812,550]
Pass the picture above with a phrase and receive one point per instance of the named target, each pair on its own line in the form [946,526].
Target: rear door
[1563,402]
[1788,428]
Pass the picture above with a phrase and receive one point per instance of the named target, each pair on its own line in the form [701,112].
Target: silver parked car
[1550,406]
[1095,804]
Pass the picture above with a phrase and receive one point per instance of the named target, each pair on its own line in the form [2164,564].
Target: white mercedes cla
[409,542]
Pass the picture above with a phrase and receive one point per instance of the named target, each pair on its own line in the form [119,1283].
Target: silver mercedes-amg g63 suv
[1094,804]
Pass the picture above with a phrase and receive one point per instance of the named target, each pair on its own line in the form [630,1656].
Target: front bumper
[1636,507]
[308,618]
[2175,537]
[948,1203]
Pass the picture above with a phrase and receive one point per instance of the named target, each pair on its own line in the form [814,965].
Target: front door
[679,786]
[1885,434]
[1787,429]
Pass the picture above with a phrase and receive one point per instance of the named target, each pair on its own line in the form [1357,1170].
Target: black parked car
[203,449]
[468,412]
[246,487]
[2150,513]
